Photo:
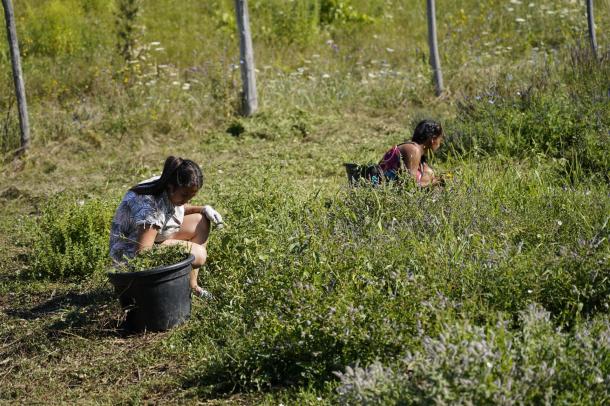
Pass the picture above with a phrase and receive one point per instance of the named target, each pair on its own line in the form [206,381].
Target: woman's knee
[200,253]
[202,230]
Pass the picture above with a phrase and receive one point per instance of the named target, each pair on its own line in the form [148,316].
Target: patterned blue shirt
[141,210]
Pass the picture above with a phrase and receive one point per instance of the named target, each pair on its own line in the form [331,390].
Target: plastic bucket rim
[153,271]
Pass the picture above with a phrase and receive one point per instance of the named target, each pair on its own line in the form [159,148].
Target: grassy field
[492,289]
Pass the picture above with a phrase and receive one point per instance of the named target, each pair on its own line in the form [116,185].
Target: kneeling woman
[409,158]
[156,212]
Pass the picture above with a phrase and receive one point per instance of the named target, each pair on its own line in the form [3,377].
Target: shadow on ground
[85,314]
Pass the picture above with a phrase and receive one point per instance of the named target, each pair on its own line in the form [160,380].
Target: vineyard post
[434,58]
[591,21]
[17,75]
[246,59]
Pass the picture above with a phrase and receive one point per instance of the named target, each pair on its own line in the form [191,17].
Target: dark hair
[177,172]
[426,130]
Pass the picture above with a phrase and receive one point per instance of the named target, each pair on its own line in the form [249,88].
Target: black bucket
[156,299]
[370,173]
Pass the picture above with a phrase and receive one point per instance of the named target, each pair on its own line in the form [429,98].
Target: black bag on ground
[370,173]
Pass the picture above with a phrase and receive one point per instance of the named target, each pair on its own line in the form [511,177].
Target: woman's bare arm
[188,209]
[427,177]
[411,156]
[146,237]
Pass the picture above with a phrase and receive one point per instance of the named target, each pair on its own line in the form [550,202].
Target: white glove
[212,215]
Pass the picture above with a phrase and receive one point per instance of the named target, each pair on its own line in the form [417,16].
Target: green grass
[312,278]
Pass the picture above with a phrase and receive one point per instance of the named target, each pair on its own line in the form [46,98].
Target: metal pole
[246,59]
[17,75]
[591,21]
[434,58]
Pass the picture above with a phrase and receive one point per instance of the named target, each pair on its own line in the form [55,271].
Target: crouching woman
[409,159]
[156,211]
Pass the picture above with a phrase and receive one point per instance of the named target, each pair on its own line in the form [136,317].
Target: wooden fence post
[246,59]
[591,22]
[434,58]
[17,75]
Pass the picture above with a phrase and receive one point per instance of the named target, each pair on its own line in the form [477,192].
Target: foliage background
[324,294]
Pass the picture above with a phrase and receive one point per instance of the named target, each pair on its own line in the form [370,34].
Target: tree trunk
[591,21]
[17,75]
[246,59]
[434,58]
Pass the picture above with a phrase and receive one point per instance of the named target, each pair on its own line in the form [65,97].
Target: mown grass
[311,277]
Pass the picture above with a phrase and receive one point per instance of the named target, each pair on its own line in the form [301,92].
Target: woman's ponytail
[176,172]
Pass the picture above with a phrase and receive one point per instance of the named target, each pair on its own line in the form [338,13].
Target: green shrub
[568,124]
[340,12]
[467,364]
[70,238]
[308,284]
[549,124]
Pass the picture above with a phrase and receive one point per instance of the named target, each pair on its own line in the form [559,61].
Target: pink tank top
[391,163]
